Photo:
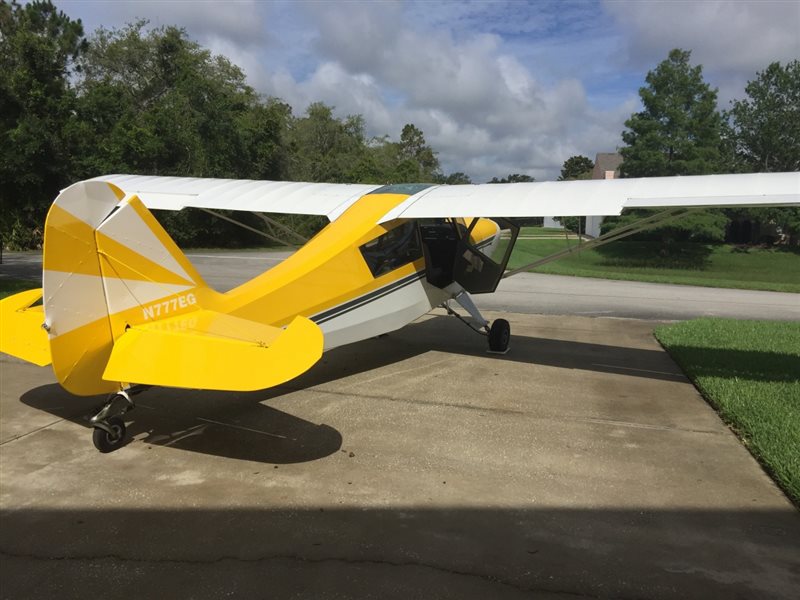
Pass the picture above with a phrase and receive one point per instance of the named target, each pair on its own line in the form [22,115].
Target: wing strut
[612,236]
[273,222]
[258,231]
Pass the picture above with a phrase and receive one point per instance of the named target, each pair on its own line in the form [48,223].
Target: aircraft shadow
[222,424]
[447,335]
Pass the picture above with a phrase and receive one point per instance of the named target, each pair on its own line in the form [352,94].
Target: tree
[38,49]
[417,160]
[155,102]
[576,167]
[765,126]
[325,148]
[457,178]
[513,178]
[762,134]
[678,132]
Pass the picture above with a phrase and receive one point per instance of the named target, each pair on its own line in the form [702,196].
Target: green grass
[688,264]
[749,371]
[9,287]
[544,231]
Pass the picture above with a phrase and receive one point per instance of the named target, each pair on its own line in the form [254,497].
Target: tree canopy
[39,47]
[576,167]
[765,126]
[678,132]
[513,178]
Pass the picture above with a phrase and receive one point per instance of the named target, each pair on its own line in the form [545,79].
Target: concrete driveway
[580,465]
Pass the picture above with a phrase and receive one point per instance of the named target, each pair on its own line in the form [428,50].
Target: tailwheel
[109,435]
[499,336]
[109,427]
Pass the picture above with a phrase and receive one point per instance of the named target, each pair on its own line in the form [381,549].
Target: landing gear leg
[499,333]
[109,427]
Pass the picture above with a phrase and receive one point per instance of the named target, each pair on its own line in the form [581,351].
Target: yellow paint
[80,357]
[326,272]
[74,241]
[117,192]
[212,355]
[21,332]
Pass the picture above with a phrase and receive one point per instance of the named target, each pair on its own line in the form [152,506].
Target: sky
[497,87]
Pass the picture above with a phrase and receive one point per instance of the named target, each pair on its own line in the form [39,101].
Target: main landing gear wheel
[499,336]
[109,440]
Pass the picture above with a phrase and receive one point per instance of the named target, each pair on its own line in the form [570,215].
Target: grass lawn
[9,287]
[544,231]
[688,264]
[749,371]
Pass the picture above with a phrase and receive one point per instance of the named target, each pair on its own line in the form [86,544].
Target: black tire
[104,441]
[499,335]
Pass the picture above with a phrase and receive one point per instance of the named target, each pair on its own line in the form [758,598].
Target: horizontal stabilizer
[21,334]
[210,350]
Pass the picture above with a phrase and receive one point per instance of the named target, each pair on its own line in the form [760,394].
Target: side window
[393,249]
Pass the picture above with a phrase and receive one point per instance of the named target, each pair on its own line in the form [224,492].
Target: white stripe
[127,227]
[123,294]
[72,300]
[384,314]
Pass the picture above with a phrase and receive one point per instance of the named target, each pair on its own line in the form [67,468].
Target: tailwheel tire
[106,442]
[499,335]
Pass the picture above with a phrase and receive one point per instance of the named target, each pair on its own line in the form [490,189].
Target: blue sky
[497,87]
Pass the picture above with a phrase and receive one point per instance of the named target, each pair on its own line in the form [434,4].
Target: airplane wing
[606,197]
[214,351]
[285,197]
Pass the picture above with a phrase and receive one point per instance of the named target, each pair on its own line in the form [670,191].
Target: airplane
[122,308]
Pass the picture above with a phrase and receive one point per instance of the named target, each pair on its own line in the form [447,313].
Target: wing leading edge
[604,197]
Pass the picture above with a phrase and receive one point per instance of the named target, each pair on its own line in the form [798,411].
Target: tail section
[108,265]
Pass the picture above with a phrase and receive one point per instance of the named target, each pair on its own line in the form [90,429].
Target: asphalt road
[528,293]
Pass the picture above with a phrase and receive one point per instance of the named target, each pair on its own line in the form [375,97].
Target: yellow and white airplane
[121,306]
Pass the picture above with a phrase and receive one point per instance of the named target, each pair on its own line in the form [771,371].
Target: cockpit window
[393,249]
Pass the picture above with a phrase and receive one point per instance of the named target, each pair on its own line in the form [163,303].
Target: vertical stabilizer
[108,264]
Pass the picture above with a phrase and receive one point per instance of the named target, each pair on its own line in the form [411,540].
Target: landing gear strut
[499,333]
[109,428]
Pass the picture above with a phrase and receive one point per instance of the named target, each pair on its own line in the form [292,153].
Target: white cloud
[479,107]
[731,39]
